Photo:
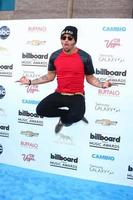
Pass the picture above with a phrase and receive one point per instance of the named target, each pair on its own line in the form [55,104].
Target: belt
[72,94]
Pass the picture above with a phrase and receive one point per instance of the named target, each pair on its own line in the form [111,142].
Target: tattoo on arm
[97,83]
[42,79]
[94,81]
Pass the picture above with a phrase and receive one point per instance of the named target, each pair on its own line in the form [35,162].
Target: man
[71,65]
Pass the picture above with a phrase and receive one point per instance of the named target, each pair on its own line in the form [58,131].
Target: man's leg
[49,106]
[76,105]
[53,106]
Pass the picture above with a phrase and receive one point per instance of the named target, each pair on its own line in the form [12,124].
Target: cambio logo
[29,101]
[115,28]
[103,157]
[4,32]
[2,92]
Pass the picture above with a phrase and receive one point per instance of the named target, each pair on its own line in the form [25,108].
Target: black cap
[71,30]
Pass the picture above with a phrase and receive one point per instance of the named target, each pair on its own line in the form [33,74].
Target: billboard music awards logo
[114,81]
[115,77]
[130,172]
[27,117]
[34,59]
[112,73]
[63,161]
[4,131]
[98,140]
[6,70]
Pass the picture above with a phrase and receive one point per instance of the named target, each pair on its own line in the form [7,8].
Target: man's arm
[91,79]
[50,76]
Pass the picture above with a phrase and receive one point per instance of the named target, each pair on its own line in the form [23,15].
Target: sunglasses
[67,37]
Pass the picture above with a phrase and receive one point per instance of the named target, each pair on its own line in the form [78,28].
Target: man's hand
[24,80]
[106,84]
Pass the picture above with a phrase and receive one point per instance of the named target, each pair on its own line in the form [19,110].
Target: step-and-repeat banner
[100,150]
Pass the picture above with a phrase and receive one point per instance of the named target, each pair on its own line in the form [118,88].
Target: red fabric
[70,73]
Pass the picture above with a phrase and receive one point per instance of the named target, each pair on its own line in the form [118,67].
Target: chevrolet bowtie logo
[106,122]
[36,42]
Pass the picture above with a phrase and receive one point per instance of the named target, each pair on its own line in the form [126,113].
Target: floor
[24,184]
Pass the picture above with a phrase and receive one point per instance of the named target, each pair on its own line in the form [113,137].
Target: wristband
[29,82]
[101,85]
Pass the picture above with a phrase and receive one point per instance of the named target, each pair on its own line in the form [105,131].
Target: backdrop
[100,150]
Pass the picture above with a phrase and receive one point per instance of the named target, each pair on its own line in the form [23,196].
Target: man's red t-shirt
[70,70]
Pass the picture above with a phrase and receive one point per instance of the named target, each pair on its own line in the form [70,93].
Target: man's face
[67,42]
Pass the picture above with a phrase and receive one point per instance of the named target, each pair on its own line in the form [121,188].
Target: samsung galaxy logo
[118,29]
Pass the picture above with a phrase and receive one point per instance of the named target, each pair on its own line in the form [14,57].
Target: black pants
[52,106]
